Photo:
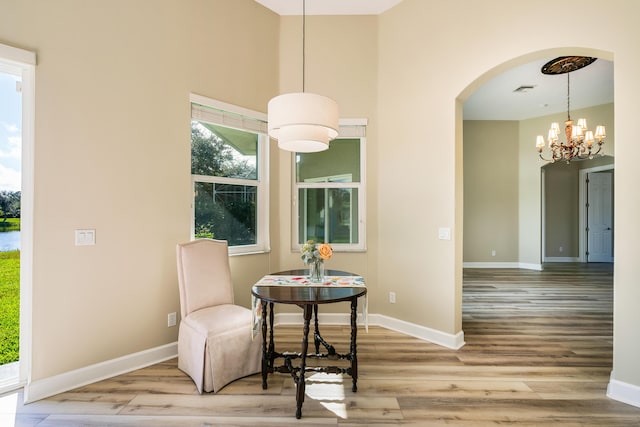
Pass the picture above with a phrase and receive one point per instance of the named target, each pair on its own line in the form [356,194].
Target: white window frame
[23,63]
[232,116]
[349,129]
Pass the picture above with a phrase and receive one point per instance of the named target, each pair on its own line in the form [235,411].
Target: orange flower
[325,251]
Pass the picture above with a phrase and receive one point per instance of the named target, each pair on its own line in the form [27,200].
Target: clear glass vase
[316,272]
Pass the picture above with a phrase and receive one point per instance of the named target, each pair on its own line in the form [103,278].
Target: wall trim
[424,333]
[624,392]
[23,63]
[40,389]
[562,259]
[452,341]
[523,265]
[56,384]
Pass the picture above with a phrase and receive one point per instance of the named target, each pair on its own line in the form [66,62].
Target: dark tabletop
[308,294]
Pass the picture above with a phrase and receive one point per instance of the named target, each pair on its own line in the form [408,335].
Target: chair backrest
[204,276]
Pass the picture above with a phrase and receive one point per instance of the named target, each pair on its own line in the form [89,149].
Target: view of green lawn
[9,306]
[12,224]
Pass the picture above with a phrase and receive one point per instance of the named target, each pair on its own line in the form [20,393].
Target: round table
[308,297]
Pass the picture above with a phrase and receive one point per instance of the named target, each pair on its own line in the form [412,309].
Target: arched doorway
[528,174]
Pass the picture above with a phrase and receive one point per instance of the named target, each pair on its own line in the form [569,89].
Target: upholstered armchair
[215,344]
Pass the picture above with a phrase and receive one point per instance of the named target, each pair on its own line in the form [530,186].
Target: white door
[599,217]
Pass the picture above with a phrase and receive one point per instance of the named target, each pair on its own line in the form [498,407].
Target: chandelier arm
[597,151]
[546,160]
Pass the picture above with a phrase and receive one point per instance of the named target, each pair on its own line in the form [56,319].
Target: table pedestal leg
[316,335]
[265,359]
[354,355]
[300,385]
[272,345]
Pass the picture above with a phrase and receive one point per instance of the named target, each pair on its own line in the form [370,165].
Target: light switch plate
[444,233]
[85,237]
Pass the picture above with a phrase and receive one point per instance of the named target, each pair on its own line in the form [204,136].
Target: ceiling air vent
[524,88]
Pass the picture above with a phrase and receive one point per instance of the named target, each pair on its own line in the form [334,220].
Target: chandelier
[302,122]
[579,140]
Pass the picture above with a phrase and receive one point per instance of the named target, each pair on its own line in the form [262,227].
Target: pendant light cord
[304,24]
[568,98]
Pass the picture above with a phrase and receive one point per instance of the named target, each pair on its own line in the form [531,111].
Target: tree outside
[9,208]
[222,210]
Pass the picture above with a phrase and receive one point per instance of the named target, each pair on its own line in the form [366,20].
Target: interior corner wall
[112,153]
[561,210]
[490,191]
[530,192]
[341,58]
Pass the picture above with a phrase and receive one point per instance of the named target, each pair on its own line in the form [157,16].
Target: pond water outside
[9,241]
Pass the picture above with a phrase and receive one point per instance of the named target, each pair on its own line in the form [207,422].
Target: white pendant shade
[303,122]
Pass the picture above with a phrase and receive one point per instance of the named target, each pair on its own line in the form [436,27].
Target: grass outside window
[11,224]
[9,306]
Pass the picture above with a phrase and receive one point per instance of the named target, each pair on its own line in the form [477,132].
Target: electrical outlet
[392,297]
[171,319]
[560,249]
[493,252]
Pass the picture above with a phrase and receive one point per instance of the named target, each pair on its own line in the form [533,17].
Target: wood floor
[538,352]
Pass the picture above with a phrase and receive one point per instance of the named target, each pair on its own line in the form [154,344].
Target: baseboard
[624,392]
[523,265]
[452,341]
[40,389]
[50,386]
[561,259]
[422,332]
[47,387]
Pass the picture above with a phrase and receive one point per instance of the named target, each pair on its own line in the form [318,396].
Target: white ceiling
[329,7]
[496,99]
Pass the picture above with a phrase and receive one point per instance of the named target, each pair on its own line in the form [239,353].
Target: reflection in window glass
[223,152]
[328,215]
[329,192]
[225,211]
[225,176]
[340,163]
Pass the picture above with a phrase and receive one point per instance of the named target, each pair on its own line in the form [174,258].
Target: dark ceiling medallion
[566,64]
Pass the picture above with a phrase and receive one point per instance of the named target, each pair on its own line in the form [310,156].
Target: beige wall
[561,210]
[433,53]
[112,152]
[490,191]
[530,191]
[112,149]
[562,207]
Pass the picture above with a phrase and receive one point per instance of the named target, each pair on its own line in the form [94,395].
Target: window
[329,193]
[229,175]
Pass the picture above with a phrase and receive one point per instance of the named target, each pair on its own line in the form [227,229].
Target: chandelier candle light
[579,140]
[302,122]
